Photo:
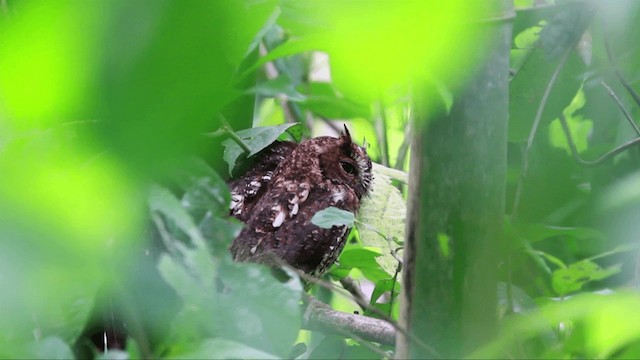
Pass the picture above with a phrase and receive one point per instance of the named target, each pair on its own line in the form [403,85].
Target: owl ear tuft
[346,134]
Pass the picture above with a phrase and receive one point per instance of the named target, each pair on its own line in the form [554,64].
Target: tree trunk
[456,195]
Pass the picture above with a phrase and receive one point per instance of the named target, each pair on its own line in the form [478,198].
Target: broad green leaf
[281,85]
[166,203]
[52,348]
[180,279]
[363,259]
[333,216]
[253,307]
[572,278]
[217,348]
[256,139]
[579,127]
[383,211]
[533,233]
[205,191]
[323,100]
[608,323]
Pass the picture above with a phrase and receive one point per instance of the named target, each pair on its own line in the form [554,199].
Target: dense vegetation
[511,129]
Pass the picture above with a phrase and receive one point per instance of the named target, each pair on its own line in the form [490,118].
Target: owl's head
[347,163]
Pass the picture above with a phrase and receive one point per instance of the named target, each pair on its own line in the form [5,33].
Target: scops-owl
[290,183]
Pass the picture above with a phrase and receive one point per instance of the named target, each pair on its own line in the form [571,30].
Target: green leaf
[323,100]
[363,259]
[222,349]
[52,348]
[533,233]
[384,211]
[256,139]
[333,216]
[572,278]
[253,307]
[176,275]
[205,191]
[527,89]
[281,85]
[164,202]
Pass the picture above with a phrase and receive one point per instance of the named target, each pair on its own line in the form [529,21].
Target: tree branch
[621,106]
[574,152]
[321,317]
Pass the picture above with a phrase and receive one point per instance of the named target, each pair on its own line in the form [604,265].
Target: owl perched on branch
[288,184]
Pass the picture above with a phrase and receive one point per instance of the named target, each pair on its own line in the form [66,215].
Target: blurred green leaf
[164,202]
[256,139]
[529,85]
[323,100]
[253,307]
[607,322]
[204,191]
[572,278]
[279,86]
[222,349]
[52,348]
[332,216]
[533,233]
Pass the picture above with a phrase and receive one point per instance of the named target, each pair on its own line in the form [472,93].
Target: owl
[288,185]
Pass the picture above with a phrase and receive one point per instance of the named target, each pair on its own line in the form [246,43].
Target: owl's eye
[348,167]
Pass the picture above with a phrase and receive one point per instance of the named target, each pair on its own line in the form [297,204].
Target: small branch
[321,317]
[621,106]
[618,73]
[534,129]
[353,288]
[601,159]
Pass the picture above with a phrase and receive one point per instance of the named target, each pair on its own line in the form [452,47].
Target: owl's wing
[247,190]
[281,226]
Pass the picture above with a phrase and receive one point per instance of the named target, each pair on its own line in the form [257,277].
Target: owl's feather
[314,175]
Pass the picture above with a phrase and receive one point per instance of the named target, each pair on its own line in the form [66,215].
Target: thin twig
[353,288]
[574,152]
[534,129]
[621,106]
[618,73]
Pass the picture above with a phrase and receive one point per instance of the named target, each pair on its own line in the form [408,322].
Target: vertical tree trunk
[456,208]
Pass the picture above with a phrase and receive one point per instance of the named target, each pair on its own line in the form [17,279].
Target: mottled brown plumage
[308,177]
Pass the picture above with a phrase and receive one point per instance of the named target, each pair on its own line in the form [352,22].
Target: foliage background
[114,206]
